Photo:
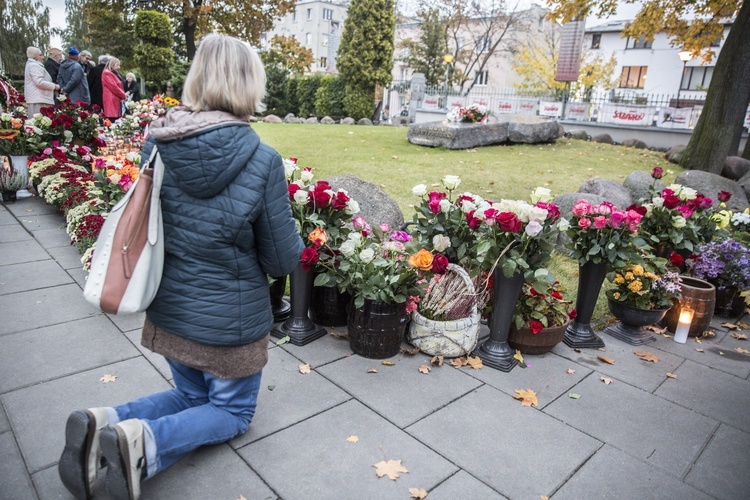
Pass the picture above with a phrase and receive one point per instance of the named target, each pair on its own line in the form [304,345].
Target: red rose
[534,293]
[676,259]
[657,173]
[322,186]
[556,295]
[509,222]
[671,201]
[472,221]
[439,264]
[340,199]
[553,211]
[320,198]
[535,326]
[309,258]
[573,314]
[637,208]
[724,196]
[293,188]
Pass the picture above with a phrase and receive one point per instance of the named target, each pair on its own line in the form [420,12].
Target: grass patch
[383,156]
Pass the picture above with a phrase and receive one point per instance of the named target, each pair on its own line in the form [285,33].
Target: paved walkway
[459,432]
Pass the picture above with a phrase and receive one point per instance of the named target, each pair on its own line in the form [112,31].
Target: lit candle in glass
[683,325]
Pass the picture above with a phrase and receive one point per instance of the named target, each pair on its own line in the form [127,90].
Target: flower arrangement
[725,263]
[10,98]
[642,288]
[11,181]
[543,308]
[449,295]
[473,113]
[20,136]
[73,121]
[114,178]
[516,235]
[602,232]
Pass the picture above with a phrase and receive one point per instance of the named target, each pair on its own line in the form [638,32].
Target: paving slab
[38,222]
[27,207]
[628,367]
[722,468]
[288,397]
[546,374]
[79,276]
[336,468]
[490,435]
[717,353]
[323,350]
[613,474]
[463,485]
[38,413]
[156,360]
[710,392]
[10,234]
[47,306]
[22,251]
[400,393]
[636,422]
[50,238]
[126,322]
[67,257]
[49,486]
[6,216]
[31,276]
[4,424]
[46,353]
[15,482]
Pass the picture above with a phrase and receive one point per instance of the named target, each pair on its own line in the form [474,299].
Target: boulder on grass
[364,121]
[674,154]
[735,168]
[610,191]
[327,120]
[710,184]
[289,116]
[312,121]
[581,135]
[603,138]
[638,184]
[253,119]
[348,121]
[272,119]
[634,143]
[374,204]
[744,183]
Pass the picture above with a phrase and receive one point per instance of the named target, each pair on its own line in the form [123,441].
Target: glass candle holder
[683,325]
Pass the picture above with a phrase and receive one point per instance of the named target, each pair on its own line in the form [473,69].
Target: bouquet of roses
[71,121]
[114,179]
[20,136]
[642,288]
[474,113]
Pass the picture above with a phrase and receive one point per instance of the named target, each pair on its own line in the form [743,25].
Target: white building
[316,25]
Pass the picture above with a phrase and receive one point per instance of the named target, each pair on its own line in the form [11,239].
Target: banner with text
[431,102]
[456,101]
[480,100]
[577,111]
[550,108]
[675,118]
[502,105]
[527,106]
[626,115]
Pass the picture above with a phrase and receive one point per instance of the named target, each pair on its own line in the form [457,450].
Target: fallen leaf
[437,360]
[543,497]
[304,368]
[741,350]
[391,468]
[607,360]
[606,380]
[573,395]
[418,493]
[352,439]
[721,353]
[410,352]
[646,356]
[474,362]
[387,363]
[671,375]
[283,340]
[108,378]
[338,335]
[708,333]
[425,369]
[527,397]
[731,326]
[742,325]
[519,357]
[698,340]
[602,349]
[570,371]
[666,335]
[459,362]
[242,498]
[271,387]
[372,370]
[699,349]
[656,329]
[739,336]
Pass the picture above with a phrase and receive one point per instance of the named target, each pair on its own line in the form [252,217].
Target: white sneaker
[124,448]
[80,459]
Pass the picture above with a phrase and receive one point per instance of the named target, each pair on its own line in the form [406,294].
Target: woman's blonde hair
[112,62]
[226,75]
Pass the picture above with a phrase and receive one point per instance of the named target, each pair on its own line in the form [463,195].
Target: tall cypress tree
[365,57]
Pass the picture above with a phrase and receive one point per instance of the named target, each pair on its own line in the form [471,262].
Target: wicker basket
[446,338]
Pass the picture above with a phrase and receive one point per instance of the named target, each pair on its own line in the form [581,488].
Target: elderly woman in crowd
[112,91]
[39,89]
[133,87]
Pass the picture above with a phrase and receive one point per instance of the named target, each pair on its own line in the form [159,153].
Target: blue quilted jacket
[227,224]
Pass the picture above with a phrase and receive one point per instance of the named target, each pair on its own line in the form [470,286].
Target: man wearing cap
[71,79]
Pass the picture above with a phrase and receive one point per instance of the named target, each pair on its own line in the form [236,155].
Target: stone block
[32,275]
[723,465]
[348,121]
[311,121]
[735,168]
[674,154]
[272,119]
[610,191]
[327,120]
[603,138]
[364,121]
[638,183]
[581,135]
[375,205]
[634,143]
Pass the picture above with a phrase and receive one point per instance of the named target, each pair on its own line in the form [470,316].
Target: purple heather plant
[725,263]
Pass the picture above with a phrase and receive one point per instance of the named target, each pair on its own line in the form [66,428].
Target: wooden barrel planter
[700,296]
[328,306]
[540,343]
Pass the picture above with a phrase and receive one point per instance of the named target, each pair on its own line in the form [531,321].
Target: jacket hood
[203,150]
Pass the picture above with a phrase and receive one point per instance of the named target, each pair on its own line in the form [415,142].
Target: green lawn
[383,156]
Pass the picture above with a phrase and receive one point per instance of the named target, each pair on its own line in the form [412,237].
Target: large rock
[710,184]
[253,119]
[375,205]
[674,154]
[364,121]
[638,183]
[744,183]
[272,119]
[634,143]
[581,135]
[312,121]
[327,120]
[603,138]
[348,121]
[508,128]
[528,129]
[294,120]
[290,116]
[565,202]
[610,191]
[735,168]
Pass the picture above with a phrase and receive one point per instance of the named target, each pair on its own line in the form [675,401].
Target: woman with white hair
[132,87]
[39,89]
[112,92]
[227,225]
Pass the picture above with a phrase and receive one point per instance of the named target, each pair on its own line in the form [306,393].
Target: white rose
[355,237]
[348,247]
[537,214]
[451,182]
[440,242]
[300,197]
[115,178]
[658,201]
[678,221]
[445,206]
[419,190]
[533,228]
[541,194]
[688,193]
[352,207]
[367,255]
[467,207]
[563,225]
[306,176]
[289,168]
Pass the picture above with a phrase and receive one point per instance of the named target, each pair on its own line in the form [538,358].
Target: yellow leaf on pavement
[459,362]
[741,350]
[699,349]
[518,356]
[474,362]
[372,370]
[607,360]
[671,375]
[570,371]
[606,380]
[304,368]
[437,360]
[418,493]
[731,326]
[108,378]
[647,356]
[527,397]
[387,363]
[739,336]
[425,369]
[352,439]
[391,468]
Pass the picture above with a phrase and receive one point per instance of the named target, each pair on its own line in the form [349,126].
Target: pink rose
[604,208]
[685,211]
[600,222]
[584,223]
[617,218]
[581,208]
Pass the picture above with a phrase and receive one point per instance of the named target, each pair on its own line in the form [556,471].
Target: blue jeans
[202,409]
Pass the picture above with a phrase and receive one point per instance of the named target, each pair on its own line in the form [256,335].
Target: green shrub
[277,79]
[292,104]
[307,87]
[358,102]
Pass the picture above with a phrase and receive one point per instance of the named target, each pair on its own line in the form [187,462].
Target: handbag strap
[154,220]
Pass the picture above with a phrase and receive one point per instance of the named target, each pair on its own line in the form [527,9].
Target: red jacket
[112,94]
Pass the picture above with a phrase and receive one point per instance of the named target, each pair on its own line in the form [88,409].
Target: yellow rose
[629,276]
[422,260]
[619,280]
[638,270]
[318,237]
[635,286]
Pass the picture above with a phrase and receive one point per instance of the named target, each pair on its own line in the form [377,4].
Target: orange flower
[422,260]
[16,123]
[318,237]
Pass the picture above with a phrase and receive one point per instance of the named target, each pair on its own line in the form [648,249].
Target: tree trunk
[188,29]
[719,128]
[746,152]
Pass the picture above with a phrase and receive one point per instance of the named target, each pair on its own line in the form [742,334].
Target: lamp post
[685,56]
[448,58]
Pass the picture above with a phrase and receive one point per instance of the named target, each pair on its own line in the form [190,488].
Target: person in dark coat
[52,65]
[228,225]
[95,80]
[72,80]
[132,87]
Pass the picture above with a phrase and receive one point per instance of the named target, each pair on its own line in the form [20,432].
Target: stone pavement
[459,432]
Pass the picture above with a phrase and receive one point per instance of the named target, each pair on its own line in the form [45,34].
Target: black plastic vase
[300,329]
[579,333]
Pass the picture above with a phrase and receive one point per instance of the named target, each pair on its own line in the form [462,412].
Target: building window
[308,39]
[481,77]
[323,62]
[633,77]
[404,74]
[596,40]
[309,14]
[483,44]
[324,39]
[294,16]
[327,14]
[696,77]
[639,43]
